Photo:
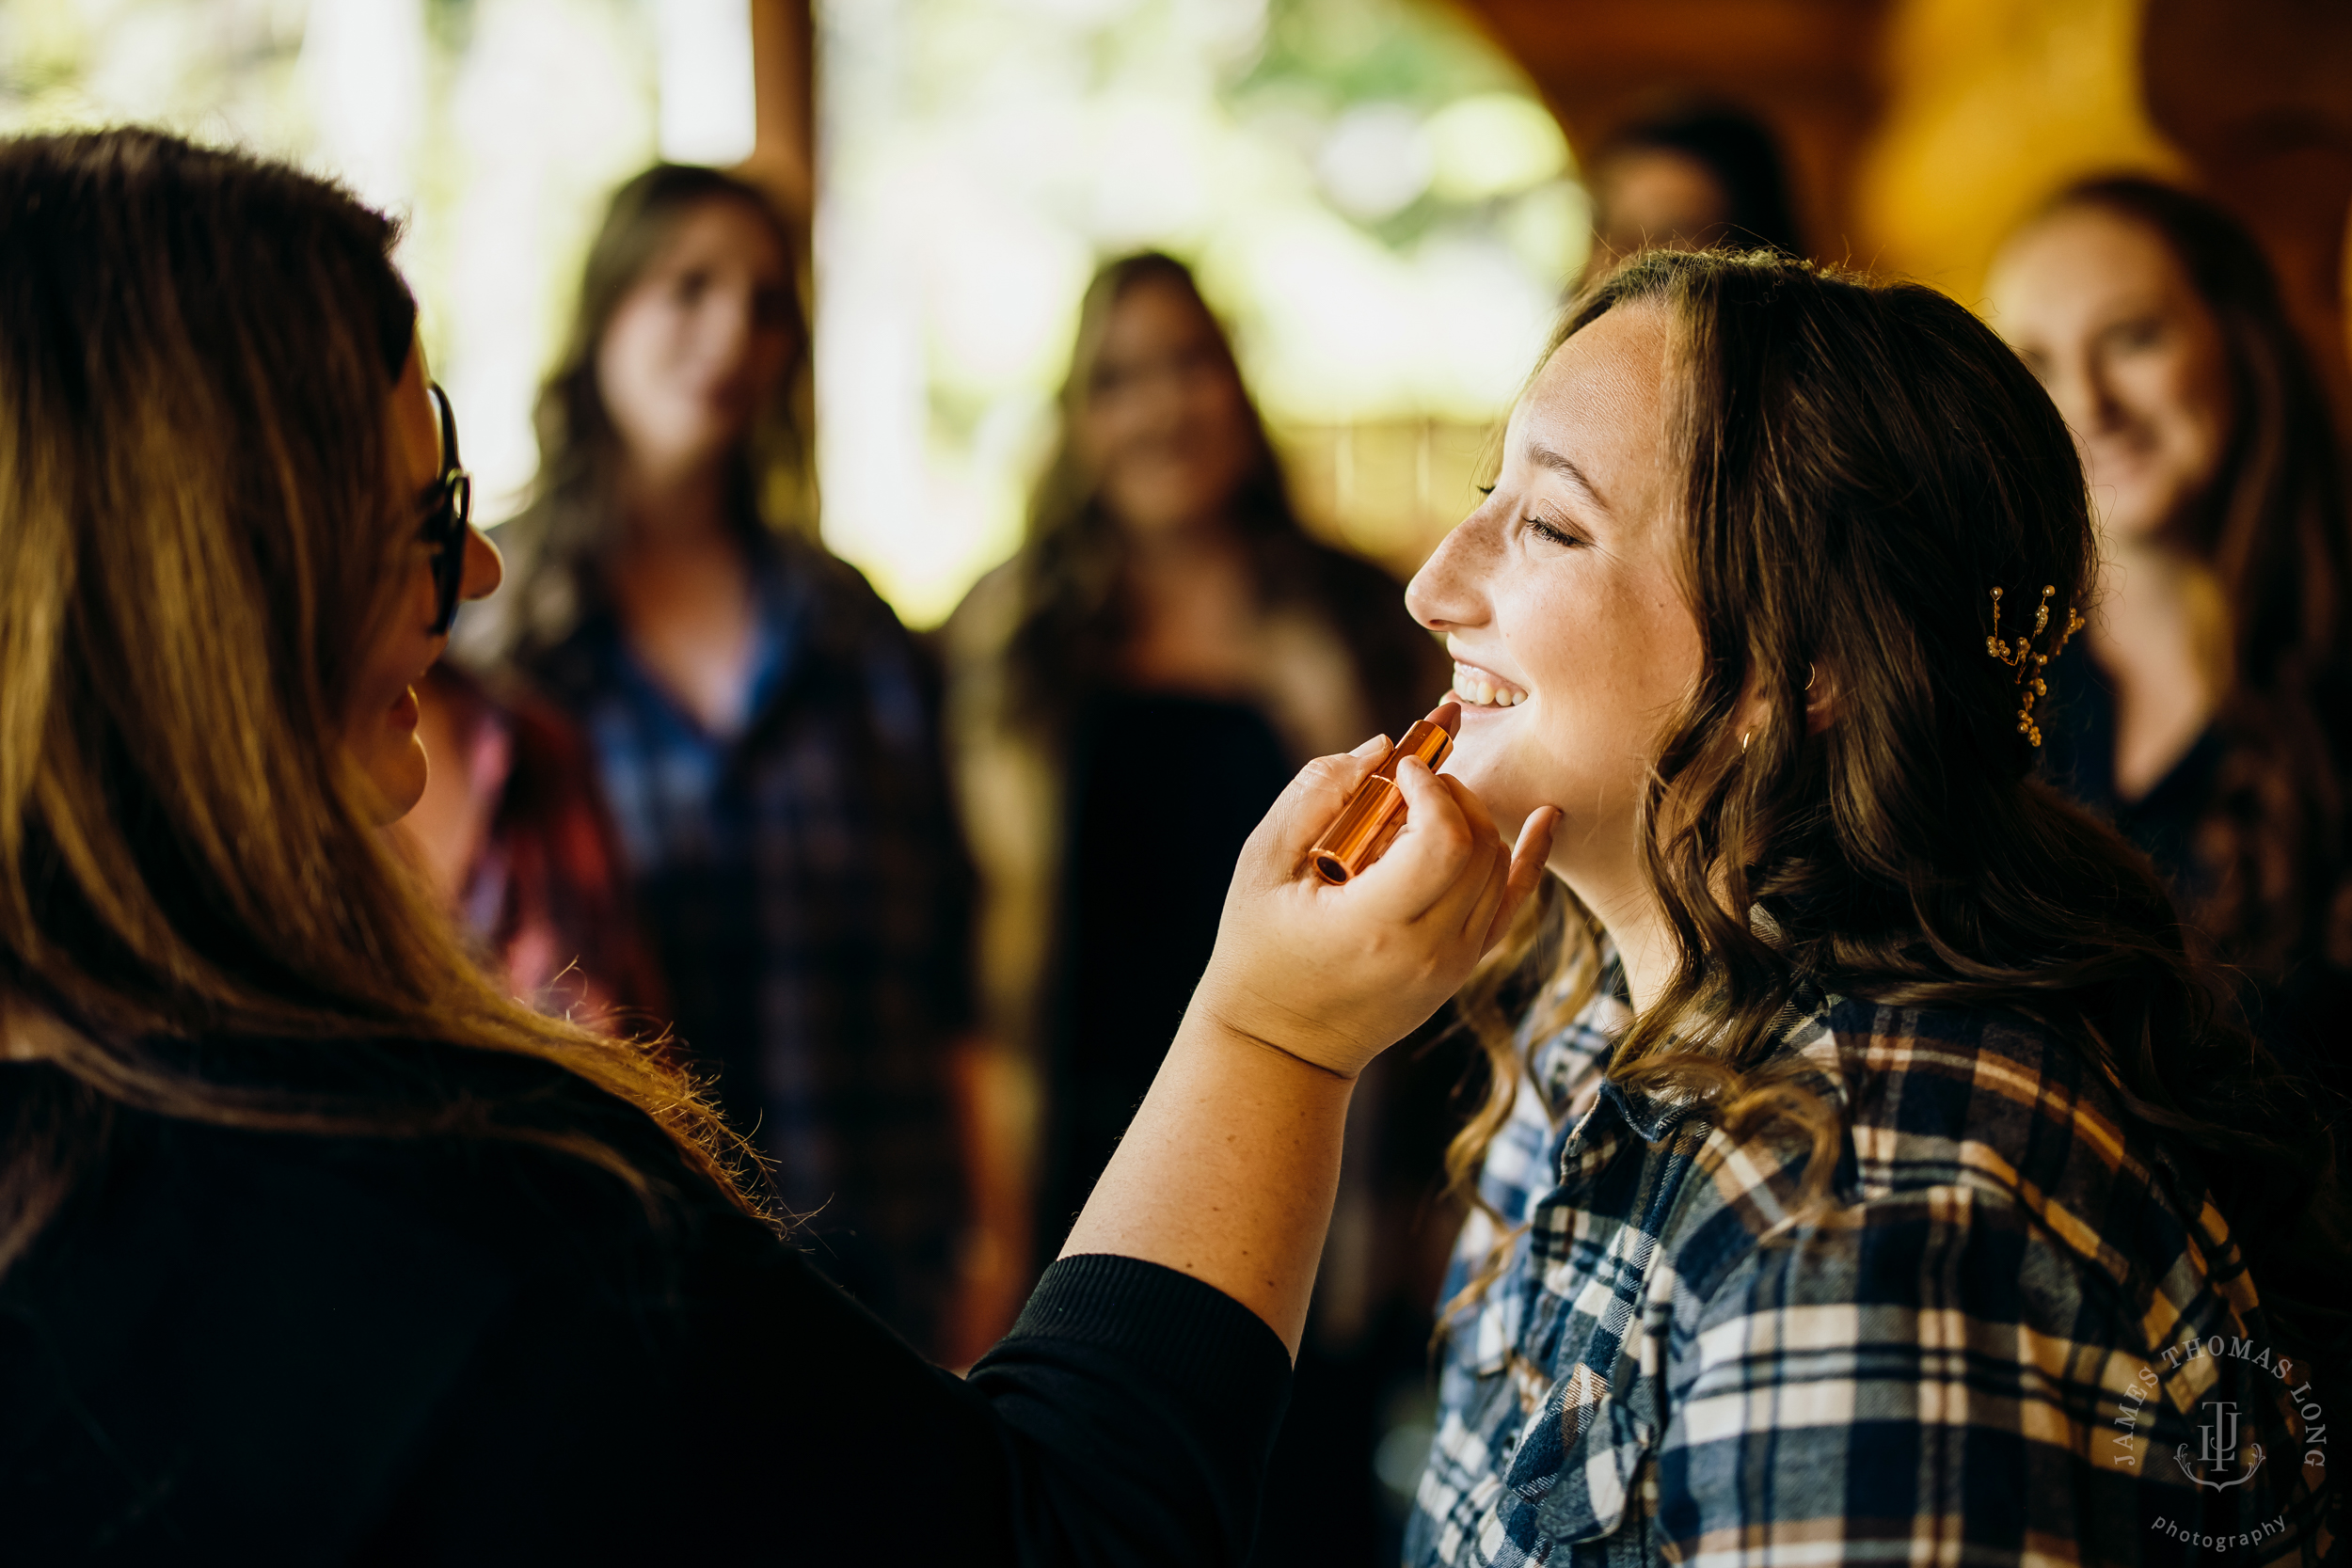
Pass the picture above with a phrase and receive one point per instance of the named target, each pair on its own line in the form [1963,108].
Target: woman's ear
[1821,699]
[1820,705]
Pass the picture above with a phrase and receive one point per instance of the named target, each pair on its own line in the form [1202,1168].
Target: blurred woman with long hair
[1128,695]
[316,1248]
[765,734]
[1165,648]
[2209,709]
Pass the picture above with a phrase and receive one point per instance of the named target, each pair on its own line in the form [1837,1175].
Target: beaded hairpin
[2028,664]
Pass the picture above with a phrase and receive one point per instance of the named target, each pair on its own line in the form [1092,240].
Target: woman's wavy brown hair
[198,537]
[1864,465]
[2272,529]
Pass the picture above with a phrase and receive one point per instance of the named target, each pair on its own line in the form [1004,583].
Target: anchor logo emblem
[2218,1449]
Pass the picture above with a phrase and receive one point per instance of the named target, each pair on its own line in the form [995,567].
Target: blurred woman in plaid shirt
[764,733]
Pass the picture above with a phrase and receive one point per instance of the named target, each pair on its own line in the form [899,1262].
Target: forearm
[1228,1172]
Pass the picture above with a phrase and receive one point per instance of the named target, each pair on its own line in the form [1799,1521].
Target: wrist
[1281,1034]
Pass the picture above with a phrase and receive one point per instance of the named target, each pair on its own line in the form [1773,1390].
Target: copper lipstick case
[1369,821]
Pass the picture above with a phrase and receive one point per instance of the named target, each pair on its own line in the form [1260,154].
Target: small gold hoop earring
[1809,673]
[1743,741]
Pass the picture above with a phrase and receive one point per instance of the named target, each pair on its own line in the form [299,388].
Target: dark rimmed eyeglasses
[448,517]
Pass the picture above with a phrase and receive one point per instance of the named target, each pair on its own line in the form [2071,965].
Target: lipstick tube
[1369,821]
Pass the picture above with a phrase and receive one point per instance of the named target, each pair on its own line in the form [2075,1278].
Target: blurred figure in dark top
[764,733]
[2208,712]
[1127,696]
[514,837]
[1699,176]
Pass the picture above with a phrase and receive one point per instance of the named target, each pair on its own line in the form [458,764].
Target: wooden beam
[784,153]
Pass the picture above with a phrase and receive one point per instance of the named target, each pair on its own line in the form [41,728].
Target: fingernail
[1372,747]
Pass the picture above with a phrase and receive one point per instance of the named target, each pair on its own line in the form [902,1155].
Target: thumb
[1527,868]
[1314,799]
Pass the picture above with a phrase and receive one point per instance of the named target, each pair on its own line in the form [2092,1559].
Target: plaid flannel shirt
[808,898]
[2020,1333]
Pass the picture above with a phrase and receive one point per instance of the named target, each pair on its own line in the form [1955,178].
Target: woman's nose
[1447,591]
[484,567]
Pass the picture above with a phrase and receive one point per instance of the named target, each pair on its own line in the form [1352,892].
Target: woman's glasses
[450,514]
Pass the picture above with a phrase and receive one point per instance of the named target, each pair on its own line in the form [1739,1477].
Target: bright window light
[1371,193]
[705,74]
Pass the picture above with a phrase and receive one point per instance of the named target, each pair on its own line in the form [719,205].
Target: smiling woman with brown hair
[1858,1127]
[313,1247]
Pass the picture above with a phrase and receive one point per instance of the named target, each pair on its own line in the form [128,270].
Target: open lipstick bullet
[1369,821]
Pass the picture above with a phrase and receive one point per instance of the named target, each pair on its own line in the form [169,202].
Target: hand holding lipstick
[1332,971]
[1227,1170]
[1368,824]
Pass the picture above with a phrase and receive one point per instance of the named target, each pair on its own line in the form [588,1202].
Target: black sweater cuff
[1139,1407]
[1170,1324]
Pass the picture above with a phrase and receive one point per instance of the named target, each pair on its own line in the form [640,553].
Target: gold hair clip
[2029,664]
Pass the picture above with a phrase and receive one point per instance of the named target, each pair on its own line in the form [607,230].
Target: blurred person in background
[2208,712]
[511,833]
[1126,697]
[764,732]
[1695,177]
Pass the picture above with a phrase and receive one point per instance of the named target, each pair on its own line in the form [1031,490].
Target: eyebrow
[1559,463]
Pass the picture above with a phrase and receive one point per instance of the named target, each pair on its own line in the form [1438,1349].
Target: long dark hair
[2272,529]
[1864,465]
[1072,618]
[557,546]
[197,352]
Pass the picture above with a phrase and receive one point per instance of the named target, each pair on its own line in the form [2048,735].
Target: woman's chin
[1494,788]
[396,777]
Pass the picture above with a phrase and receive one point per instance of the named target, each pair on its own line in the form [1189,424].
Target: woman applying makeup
[317,1247]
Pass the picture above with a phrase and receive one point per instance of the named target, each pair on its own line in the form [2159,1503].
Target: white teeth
[1478,689]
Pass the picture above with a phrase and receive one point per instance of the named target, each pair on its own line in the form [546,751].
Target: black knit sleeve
[1139,1406]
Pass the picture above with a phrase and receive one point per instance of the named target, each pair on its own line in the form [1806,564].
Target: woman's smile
[1479,687]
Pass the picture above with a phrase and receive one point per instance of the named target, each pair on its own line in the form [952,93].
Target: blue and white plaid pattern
[1992,1347]
[805,889]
